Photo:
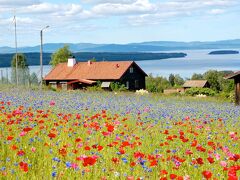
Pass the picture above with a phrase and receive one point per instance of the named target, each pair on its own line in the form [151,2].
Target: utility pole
[41,56]
[15,25]
[2,75]
[7,74]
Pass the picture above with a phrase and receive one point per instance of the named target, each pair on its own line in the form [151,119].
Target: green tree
[196,76]
[33,79]
[60,56]
[178,80]
[156,84]
[171,79]
[22,70]
[93,59]
[214,77]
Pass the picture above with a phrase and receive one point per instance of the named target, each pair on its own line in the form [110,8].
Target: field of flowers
[84,135]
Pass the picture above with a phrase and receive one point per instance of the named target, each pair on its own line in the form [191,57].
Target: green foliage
[93,59]
[60,56]
[156,84]
[116,86]
[22,71]
[217,81]
[196,76]
[204,91]
[34,78]
[94,88]
[21,61]
[178,80]
[171,79]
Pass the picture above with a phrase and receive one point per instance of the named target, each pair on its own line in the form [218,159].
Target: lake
[197,61]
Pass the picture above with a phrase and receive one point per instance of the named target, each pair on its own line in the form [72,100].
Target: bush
[116,86]
[204,91]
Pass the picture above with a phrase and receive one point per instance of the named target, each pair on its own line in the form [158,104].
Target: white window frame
[131,69]
[127,84]
[53,85]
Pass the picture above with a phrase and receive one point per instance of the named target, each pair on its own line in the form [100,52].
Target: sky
[118,21]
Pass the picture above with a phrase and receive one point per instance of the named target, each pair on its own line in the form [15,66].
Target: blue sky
[119,21]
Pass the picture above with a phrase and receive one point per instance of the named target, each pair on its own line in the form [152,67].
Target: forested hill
[33,58]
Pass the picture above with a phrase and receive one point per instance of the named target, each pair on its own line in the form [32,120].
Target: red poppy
[110,128]
[27,129]
[132,164]
[87,148]
[9,138]
[210,160]
[194,143]
[89,161]
[23,166]
[21,153]
[115,160]
[163,172]
[62,152]
[207,174]
[173,176]
[200,161]
[52,135]
[78,140]
[100,148]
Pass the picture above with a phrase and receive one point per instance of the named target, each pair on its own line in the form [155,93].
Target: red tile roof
[113,70]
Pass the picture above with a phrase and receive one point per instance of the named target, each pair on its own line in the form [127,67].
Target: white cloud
[109,1]
[17,3]
[216,11]
[137,7]
[34,14]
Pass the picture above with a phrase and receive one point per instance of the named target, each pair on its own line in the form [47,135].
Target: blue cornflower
[54,174]
[68,164]
[124,160]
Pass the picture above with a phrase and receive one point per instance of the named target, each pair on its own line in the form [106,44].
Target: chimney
[89,62]
[71,61]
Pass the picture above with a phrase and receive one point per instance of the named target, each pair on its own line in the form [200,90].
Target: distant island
[33,58]
[220,52]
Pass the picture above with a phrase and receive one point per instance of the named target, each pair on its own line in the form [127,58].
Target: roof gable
[195,83]
[233,75]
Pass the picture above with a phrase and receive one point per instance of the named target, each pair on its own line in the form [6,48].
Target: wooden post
[237,92]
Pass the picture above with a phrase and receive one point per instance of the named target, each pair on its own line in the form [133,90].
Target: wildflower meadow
[105,135]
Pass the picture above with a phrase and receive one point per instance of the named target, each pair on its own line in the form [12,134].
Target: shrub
[116,86]
[204,91]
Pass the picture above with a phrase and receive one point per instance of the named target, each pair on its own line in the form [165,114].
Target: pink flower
[217,156]
[187,177]
[33,149]
[80,145]
[52,103]
[74,165]
[223,163]
[23,133]
[118,138]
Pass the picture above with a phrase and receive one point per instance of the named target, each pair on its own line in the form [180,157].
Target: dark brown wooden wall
[131,77]
[237,91]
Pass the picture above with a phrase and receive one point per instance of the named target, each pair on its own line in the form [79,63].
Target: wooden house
[196,83]
[77,75]
[236,77]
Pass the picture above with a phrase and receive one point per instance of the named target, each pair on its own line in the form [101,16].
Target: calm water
[197,61]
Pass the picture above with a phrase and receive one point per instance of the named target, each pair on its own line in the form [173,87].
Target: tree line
[215,79]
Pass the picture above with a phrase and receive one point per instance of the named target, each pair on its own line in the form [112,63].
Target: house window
[64,85]
[136,84]
[131,70]
[53,85]
[127,84]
